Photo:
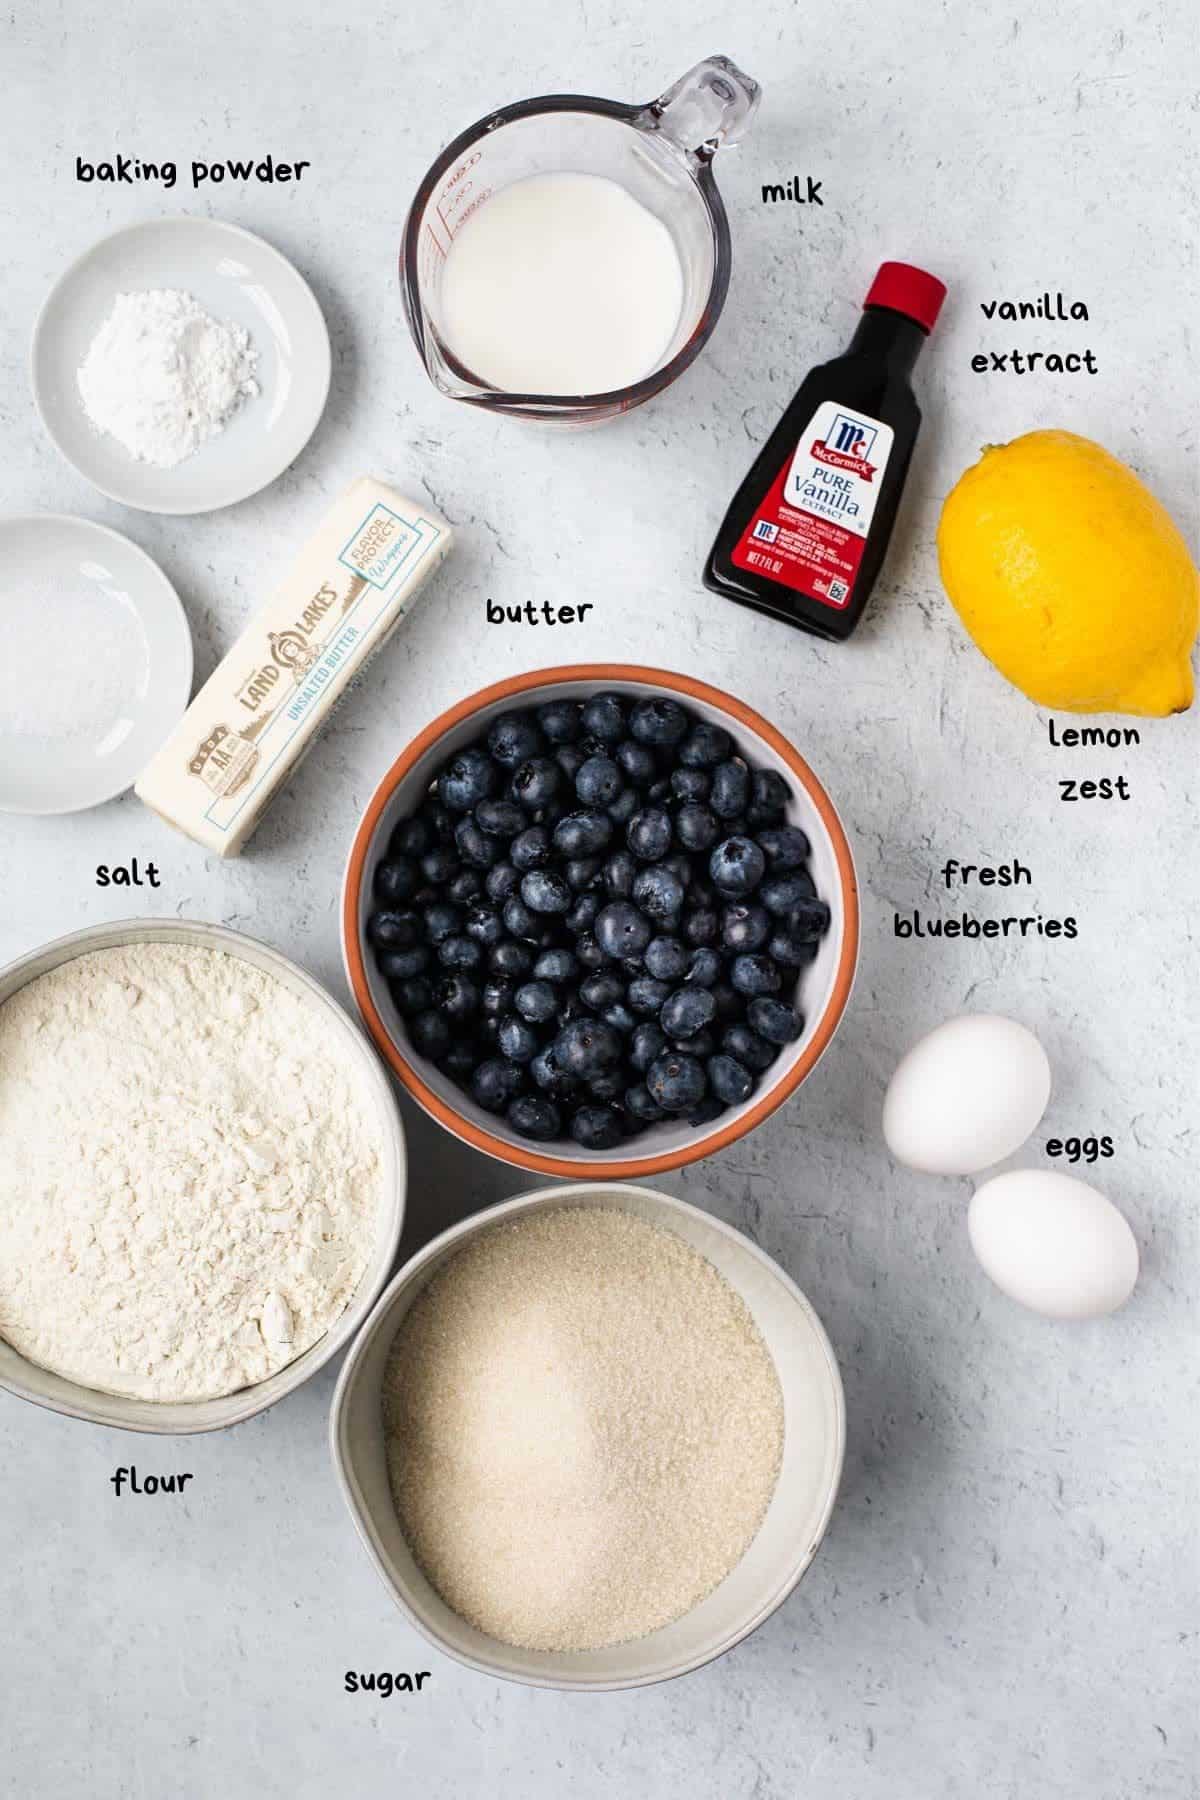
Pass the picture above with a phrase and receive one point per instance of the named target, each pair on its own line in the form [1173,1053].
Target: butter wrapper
[261,710]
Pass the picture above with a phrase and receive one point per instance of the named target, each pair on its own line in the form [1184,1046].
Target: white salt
[74,662]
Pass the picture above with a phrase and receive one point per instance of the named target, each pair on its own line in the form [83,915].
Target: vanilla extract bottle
[806,533]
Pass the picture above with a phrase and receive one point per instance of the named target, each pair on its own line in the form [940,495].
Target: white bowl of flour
[202,1176]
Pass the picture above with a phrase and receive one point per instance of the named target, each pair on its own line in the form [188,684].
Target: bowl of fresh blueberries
[600,920]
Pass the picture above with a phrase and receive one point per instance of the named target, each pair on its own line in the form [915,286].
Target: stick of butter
[260,711]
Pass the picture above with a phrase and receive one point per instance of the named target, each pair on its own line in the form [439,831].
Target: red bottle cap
[909,291]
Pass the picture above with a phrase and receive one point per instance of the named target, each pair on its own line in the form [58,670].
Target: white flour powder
[584,1429]
[189,1173]
[162,375]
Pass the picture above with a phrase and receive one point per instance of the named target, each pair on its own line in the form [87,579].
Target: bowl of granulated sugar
[590,1437]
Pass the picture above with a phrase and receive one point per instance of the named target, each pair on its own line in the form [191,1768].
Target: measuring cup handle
[712,105]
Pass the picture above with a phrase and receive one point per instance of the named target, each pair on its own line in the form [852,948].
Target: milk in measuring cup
[561,284]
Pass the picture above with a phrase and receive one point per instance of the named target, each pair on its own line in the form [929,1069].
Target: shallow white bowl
[26,1379]
[824,987]
[240,280]
[44,774]
[786,1542]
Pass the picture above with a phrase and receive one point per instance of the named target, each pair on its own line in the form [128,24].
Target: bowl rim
[537,1161]
[193,1418]
[343,1457]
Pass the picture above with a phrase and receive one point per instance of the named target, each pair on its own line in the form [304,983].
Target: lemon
[1071,578]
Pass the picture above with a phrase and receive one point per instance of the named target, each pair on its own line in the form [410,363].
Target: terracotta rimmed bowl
[178,1418]
[814,1436]
[824,986]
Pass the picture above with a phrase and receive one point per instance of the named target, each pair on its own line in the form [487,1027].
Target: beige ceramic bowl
[786,1542]
[22,1377]
[824,986]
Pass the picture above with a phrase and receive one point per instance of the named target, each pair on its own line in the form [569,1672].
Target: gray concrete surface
[1007,1600]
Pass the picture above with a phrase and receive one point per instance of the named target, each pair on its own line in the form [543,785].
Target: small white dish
[240,280]
[137,645]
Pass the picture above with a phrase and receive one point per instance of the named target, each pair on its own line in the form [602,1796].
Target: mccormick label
[811,529]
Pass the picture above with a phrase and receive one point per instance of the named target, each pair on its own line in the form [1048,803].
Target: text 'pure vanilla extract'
[807,531]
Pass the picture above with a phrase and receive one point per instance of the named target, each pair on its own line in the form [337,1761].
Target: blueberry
[599,781]
[519,921]
[608,1086]
[459,1061]
[769,795]
[666,958]
[659,893]
[400,965]
[596,1127]
[499,818]
[730,1004]
[620,1017]
[680,864]
[704,967]
[730,792]
[690,784]
[430,1034]
[745,927]
[730,1080]
[464,886]
[535,1117]
[468,778]
[582,833]
[545,892]
[688,1010]
[773,1020]
[737,866]
[555,965]
[659,792]
[645,995]
[706,1111]
[621,930]
[437,819]
[754,974]
[700,925]
[513,958]
[581,872]
[440,864]
[648,833]
[549,1077]
[412,837]
[696,826]
[484,924]
[675,1081]
[582,915]
[754,1052]
[497,996]
[658,721]
[570,759]
[536,782]
[701,1045]
[589,951]
[785,893]
[601,989]
[536,1001]
[559,720]
[517,1038]
[587,1048]
[624,806]
[636,763]
[604,717]
[785,847]
[641,1106]
[457,998]
[619,873]
[397,879]
[704,746]
[808,921]
[530,849]
[496,1082]
[501,880]
[513,737]
[412,996]
[788,951]
[461,953]
[647,1042]
[397,930]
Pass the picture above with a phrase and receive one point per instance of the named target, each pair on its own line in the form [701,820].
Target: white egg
[1053,1244]
[966,1096]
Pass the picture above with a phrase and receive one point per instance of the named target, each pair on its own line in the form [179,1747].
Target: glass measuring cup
[660,152]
